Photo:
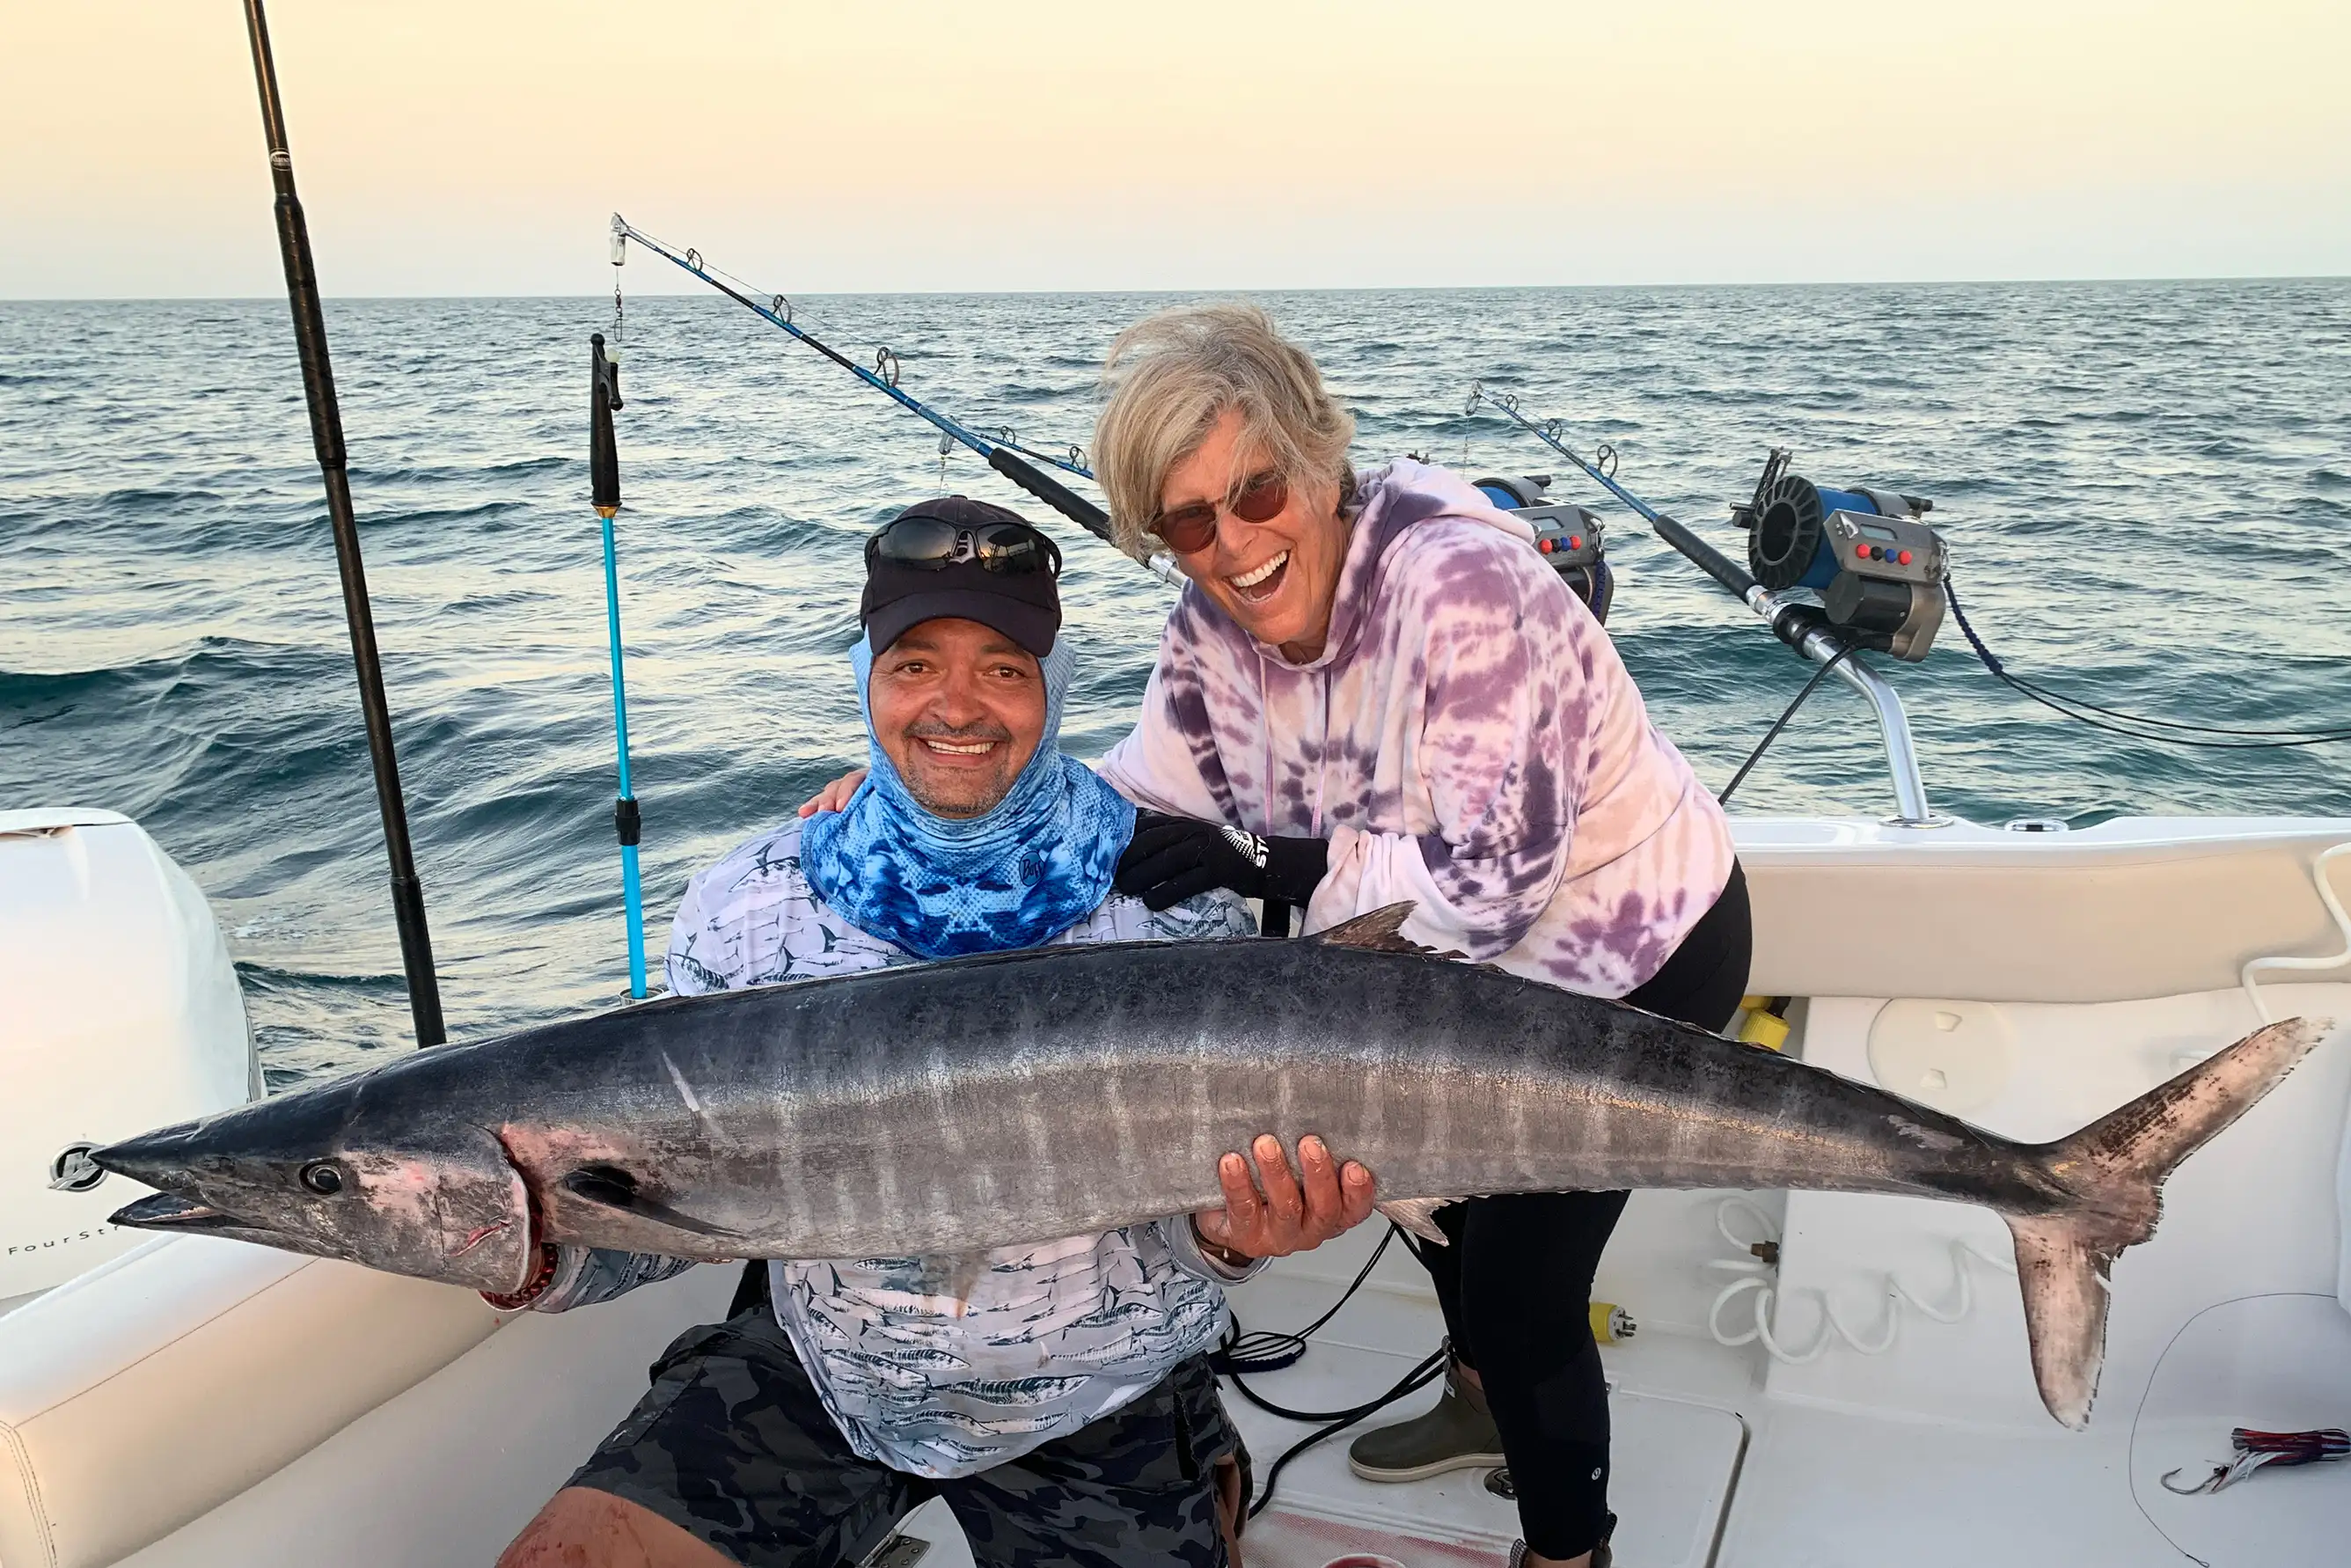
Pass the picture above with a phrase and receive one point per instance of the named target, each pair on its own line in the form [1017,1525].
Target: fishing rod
[1805,627]
[1551,434]
[604,488]
[327,435]
[1884,582]
[1002,453]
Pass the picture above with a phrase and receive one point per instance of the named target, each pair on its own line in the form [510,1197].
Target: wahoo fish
[951,1107]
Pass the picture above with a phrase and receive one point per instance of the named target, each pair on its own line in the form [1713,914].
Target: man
[1057,1394]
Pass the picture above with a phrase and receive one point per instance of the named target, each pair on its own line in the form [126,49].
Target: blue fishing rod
[605,484]
[1004,453]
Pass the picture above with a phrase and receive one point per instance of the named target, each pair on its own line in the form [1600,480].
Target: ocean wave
[172,639]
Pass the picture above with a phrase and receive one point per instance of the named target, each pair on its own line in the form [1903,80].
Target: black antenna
[327,432]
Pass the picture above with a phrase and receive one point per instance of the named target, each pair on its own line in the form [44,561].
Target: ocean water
[2146,487]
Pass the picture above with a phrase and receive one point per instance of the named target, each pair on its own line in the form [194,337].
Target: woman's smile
[1264,582]
[1277,579]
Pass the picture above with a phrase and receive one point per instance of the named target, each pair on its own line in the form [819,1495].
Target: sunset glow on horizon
[479,149]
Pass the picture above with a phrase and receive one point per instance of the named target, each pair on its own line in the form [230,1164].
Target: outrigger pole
[604,483]
[326,435]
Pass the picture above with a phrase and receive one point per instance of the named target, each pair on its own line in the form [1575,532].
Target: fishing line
[2240,739]
[1756,756]
[2139,1414]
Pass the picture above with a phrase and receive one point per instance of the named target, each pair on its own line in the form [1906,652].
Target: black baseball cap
[1025,605]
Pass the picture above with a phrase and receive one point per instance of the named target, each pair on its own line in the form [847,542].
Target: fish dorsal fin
[1380,931]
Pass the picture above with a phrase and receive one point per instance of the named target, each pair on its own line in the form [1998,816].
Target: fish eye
[321,1178]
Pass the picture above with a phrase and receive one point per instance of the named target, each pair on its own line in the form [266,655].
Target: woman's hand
[1281,1218]
[834,797]
[1171,859]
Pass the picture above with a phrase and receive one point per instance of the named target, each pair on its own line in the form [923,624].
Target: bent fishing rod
[1006,456]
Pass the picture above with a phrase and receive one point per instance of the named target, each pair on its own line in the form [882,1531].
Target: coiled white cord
[1759,1276]
[2342,923]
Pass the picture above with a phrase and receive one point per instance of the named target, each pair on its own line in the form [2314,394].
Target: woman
[1374,690]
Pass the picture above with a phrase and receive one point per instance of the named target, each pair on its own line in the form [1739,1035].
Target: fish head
[345,1170]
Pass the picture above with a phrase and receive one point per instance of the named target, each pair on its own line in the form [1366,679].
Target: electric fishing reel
[1566,535]
[1878,568]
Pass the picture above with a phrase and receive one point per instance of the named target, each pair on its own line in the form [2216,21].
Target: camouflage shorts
[732,1443]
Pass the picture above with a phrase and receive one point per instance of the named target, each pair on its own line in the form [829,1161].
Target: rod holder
[1805,628]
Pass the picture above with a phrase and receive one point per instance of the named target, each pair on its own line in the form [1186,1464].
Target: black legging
[1515,1283]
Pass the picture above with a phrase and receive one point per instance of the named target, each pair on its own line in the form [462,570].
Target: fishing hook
[2223,1476]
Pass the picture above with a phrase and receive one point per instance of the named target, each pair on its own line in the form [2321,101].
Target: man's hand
[1272,1216]
[834,797]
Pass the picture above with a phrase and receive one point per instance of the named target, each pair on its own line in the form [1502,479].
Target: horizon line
[1227,291]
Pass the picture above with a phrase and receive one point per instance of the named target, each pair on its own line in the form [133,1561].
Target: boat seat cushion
[145,1393]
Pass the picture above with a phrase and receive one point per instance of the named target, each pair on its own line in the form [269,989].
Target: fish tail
[2114,1168]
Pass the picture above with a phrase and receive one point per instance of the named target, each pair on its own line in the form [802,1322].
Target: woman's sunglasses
[1194,527]
[928,544]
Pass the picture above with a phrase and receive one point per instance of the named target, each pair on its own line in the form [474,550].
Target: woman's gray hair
[1173,375]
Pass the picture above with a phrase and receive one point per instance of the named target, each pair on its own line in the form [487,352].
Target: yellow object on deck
[1611,1325]
[1760,1026]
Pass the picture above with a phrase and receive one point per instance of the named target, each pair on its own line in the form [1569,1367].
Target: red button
[1905,558]
[1546,546]
[1575,541]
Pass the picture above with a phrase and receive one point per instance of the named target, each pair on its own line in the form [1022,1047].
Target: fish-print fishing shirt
[943,1366]
[1468,739]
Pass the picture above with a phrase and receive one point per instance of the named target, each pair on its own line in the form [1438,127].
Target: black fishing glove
[1172,859]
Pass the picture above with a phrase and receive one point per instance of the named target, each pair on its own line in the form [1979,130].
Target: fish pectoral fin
[1413,1214]
[1380,931]
[617,1190]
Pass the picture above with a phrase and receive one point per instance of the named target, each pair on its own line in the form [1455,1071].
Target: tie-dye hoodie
[1468,740]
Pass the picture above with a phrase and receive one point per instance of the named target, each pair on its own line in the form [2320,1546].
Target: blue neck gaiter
[1034,866]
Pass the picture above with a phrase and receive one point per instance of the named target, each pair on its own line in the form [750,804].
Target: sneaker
[1457,1434]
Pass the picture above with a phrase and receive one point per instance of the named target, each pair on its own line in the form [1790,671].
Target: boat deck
[1713,1466]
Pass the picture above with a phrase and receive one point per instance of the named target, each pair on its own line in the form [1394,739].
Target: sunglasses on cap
[1194,527]
[928,544]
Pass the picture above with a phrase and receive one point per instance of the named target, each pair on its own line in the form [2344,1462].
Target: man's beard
[986,788]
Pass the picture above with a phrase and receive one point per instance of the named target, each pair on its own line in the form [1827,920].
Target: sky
[887,145]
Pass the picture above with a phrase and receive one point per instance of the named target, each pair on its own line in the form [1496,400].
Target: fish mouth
[170,1212]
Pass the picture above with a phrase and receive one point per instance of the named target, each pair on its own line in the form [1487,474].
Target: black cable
[1271,1350]
[1419,1377]
[1756,756]
[2080,710]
